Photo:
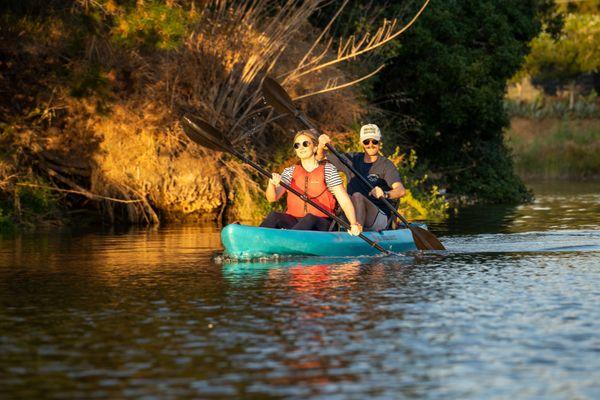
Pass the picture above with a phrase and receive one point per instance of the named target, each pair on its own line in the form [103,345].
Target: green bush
[422,201]
[452,67]
[6,222]
[152,24]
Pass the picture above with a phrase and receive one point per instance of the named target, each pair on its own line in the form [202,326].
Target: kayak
[243,241]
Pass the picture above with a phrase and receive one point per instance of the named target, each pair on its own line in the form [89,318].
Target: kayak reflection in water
[319,181]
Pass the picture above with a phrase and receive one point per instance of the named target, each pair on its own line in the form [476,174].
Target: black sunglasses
[367,141]
[304,144]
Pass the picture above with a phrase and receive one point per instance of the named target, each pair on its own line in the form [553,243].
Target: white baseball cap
[370,131]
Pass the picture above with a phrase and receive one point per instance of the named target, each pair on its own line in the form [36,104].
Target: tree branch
[331,89]
[351,48]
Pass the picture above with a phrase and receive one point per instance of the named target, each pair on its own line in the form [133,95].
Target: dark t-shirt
[382,173]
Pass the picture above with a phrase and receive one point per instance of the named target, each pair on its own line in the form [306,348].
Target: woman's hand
[324,140]
[355,229]
[275,179]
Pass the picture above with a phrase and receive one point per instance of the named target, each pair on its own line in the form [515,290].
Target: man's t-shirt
[382,173]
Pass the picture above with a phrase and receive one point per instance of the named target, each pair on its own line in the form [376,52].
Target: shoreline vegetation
[89,129]
[93,92]
[555,148]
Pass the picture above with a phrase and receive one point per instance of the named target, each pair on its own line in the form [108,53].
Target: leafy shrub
[421,201]
[152,25]
[6,223]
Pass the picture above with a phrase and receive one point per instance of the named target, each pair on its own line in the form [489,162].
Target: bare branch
[345,85]
[85,193]
[352,48]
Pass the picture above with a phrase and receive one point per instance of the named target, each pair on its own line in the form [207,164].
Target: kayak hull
[243,241]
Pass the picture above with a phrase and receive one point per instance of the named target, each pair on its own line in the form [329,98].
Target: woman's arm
[274,190]
[346,204]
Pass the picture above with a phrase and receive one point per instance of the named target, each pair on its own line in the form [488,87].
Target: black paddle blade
[205,134]
[277,97]
[425,240]
[193,131]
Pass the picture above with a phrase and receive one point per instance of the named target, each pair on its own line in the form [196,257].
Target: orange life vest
[312,185]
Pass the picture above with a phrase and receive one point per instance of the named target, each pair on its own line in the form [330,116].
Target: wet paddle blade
[209,131]
[204,134]
[277,97]
[200,136]
[425,240]
[193,132]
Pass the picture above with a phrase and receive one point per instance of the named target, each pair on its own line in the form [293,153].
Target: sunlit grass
[555,148]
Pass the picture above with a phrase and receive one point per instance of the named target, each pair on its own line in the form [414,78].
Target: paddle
[277,97]
[208,136]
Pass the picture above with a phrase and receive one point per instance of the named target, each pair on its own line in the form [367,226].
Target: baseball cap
[370,131]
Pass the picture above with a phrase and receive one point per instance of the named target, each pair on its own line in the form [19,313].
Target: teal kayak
[243,241]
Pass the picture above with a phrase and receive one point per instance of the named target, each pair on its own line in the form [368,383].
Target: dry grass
[555,148]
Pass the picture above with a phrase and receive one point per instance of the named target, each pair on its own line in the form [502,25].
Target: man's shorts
[379,223]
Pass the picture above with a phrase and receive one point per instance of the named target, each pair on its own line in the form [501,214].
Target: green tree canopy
[453,66]
[576,51]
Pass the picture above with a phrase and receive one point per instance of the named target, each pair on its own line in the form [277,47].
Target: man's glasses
[367,141]
[303,144]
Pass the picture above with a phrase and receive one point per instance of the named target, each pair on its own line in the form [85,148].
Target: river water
[511,310]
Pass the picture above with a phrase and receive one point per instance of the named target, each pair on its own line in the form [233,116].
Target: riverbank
[555,148]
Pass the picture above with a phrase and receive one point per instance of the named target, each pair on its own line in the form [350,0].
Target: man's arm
[392,178]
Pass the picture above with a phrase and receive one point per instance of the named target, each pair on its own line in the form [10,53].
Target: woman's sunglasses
[367,141]
[303,144]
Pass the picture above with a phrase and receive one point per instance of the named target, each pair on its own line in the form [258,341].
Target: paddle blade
[425,240]
[205,134]
[193,131]
[277,97]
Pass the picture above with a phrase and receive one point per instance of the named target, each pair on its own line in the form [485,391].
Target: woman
[319,181]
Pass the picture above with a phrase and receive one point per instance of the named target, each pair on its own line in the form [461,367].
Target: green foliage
[575,52]
[152,24]
[421,201]
[6,222]
[548,107]
[453,66]
[35,200]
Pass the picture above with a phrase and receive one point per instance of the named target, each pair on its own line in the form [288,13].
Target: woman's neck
[309,163]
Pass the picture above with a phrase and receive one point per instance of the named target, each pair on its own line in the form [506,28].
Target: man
[383,175]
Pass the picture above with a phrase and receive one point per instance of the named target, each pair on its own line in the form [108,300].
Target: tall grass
[556,148]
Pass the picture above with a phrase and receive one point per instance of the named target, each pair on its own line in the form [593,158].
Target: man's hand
[275,179]
[377,192]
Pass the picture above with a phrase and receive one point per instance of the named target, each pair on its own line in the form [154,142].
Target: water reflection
[557,206]
[149,313]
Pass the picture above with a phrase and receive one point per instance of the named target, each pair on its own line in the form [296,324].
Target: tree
[575,52]
[453,67]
